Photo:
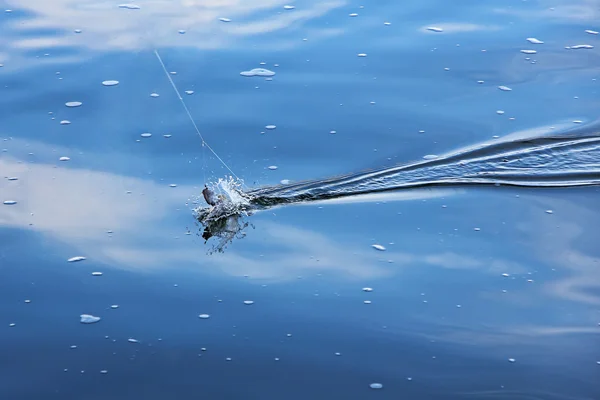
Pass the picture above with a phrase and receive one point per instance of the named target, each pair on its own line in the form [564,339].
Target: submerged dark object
[209,196]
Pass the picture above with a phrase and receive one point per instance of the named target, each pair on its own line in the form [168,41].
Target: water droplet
[189,92]
[362,54]
[367,301]
[73,103]
[591,32]
[224,19]
[65,122]
[129,6]
[289,7]
[258,72]
[110,83]
[353,15]
[203,316]
[77,31]
[167,136]
[88,319]
[97,273]
[114,306]
[534,41]
[27,301]
[387,23]
[270,127]
[146,135]
[64,159]
[104,371]
[9,202]
[132,340]
[430,156]
[577,121]
[376,386]
[476,229]
[499,112]
[182,32]
[12,324]
[76,259]
[504,88]
[505,275]
[272,167]
[378,247]
[154,95]
[549,212]
[367,289]
[248,302]
[512,360]
[434,29]
[529,51]
[173,185]
[284,181]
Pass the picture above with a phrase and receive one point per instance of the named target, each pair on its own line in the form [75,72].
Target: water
[479,291]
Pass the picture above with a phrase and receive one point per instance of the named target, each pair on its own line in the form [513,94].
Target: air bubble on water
[378,247]
[430,157]
[146,135]
[76,259]
[248,302]
[272,167]
[504,88]
[203,316]
[9,202]
[129,6]
[97,273]
[376,386]
[257,72]
[65,122]
[529,51]
[88,319]
[110,83]
[225,19]
[534,41]
[73,103]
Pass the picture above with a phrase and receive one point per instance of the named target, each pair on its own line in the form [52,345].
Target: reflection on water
[477,292]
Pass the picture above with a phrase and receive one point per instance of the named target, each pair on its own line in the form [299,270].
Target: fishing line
[204,144]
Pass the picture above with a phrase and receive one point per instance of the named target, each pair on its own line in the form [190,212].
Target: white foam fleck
[284,181]
[146,135]
[376,385]
[534,41]
[258,72]
[129,6]
[9,202]
[64,159]
[203,316]
[529,51]
[88,319]
[434,29]
[378,247]
[504,88]
[97,273]
[248,302]
[225,19]
[110,83]
[76,259]
[65,122]
[73,103]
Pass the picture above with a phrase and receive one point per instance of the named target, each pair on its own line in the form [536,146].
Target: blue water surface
[480,293]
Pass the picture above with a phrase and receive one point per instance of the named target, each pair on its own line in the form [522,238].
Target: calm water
[480,293]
